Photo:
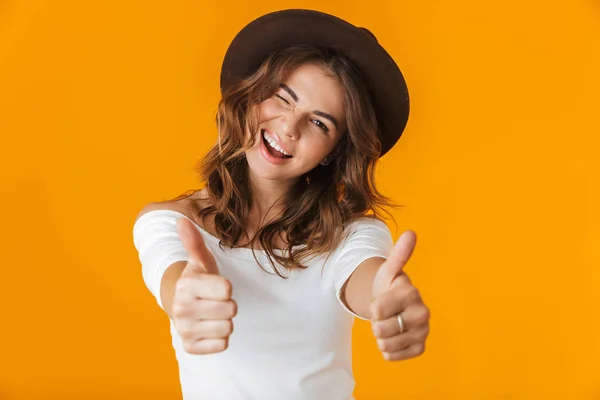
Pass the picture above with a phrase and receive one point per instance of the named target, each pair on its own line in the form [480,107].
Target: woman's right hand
[202,304]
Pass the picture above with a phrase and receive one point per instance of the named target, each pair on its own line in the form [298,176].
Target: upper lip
[278,141]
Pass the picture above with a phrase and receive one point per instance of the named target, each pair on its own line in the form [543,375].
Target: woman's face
[305,118]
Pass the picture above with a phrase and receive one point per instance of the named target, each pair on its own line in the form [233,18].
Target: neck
[268,200]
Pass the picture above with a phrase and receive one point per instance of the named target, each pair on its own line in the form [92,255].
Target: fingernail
[375,330]
[386,356]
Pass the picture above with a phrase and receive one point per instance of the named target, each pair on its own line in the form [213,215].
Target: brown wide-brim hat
[281,29]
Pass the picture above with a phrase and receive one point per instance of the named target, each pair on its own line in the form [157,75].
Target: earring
[326,161]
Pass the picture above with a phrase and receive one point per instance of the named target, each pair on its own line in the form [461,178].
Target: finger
[191,330]
[401,280]
[393,302]
[200,258]
[393,266]
[204,309]
[414,317]
[211,309]
[203,286]
[412,351]
[403,340]
[205,346]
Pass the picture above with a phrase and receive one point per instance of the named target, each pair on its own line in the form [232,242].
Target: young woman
[262,271]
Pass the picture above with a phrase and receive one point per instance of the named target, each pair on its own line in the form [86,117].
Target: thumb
[394,265]
[200,258]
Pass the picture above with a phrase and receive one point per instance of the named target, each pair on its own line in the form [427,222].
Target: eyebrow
[316,112]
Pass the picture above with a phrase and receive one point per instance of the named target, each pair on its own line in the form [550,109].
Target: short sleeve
[158,244]
[367,238]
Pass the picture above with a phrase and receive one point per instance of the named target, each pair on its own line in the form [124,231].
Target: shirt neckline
[244,252]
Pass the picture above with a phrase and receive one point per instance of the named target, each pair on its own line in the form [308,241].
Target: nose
[290,126]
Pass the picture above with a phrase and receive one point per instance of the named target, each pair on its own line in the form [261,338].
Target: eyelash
[322,125]
[283,99]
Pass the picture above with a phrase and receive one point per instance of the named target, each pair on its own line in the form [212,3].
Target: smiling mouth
[269,145]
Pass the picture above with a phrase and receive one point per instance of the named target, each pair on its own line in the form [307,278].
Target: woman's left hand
[399,318]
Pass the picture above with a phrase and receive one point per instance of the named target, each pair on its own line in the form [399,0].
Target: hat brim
[280,29]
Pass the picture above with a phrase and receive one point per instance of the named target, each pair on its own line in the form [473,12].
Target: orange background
[106,106]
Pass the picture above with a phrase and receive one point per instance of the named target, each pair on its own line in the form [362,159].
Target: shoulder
[366,231]
[187,206]
[363,223]
[154,208]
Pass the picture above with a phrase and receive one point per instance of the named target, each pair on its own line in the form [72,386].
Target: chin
[261,168]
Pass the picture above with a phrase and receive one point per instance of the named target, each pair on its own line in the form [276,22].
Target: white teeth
[274,144]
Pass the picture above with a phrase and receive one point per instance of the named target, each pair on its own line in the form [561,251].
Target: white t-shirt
[291,337]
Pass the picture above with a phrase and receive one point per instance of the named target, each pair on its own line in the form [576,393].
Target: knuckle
[403,295]
[376,309]
[217,346]
[403,279]
[423,316]
[232,308]
[223,345]
[419,349]
[186,334]
[179,309]
[384,345]
[413,294]
[228,327]
[226,287]
[189,347]
[377,328]
[426,313]
[218,286]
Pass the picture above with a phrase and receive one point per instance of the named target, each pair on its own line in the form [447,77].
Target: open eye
[321,125]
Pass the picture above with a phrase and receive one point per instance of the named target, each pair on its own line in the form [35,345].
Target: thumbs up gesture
[202,304]
[399,318]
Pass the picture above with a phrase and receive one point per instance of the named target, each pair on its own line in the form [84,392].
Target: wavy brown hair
[322,200]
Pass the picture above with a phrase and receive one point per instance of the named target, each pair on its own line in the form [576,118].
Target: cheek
[316,148]
[267,110]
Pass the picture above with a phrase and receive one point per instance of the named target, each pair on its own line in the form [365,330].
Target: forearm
[167,285]
[358,289]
